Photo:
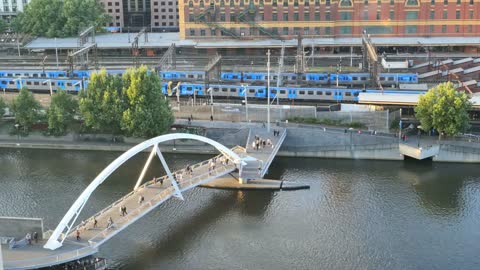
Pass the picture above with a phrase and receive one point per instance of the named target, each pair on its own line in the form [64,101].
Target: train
[350,79]
[217,90]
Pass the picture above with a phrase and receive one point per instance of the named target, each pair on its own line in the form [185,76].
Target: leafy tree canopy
[147,113]
[3,105]
[61,112]
[57,18]
[444,109]
[3,26]
[25,107]
[101,105]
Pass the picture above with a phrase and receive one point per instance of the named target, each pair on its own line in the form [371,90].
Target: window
[411,3]
[345,30]
[306,3]
[410,29]
[317,30]
[306,17]
[412,15]
[445,14]
[392,2]
[345,3]
[470,14]
[469,28]
[459,2]
[432,14]
[191,18]
[285,30]
[431,28]
[432,2]
[457,29]
[296,31]
[296,17]
[327,2]
[471,2]
[378,15]
[365,2]
[192,32]
[328,31]
[306,31]
[327,16]
[457,14]
[222,17]
[285,3]
[365,15]
[392,15]
[190,4]
[274,17]
[295,3]
[274,3]
[202,32]
[445,2]
[317,16]
[345,16]
[285,16]
[317,2]
[444,28]
[202,4]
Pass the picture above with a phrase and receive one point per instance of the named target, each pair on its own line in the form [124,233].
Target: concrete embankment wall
[456,153]
[19,227]
[379,152]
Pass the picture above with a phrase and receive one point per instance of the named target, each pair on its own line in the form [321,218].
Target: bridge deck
[268,153]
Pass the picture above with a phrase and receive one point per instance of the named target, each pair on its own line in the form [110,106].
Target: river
[357,214]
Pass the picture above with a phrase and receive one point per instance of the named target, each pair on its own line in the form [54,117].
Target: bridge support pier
[147,164]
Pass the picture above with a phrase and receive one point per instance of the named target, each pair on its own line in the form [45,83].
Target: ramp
[265,154]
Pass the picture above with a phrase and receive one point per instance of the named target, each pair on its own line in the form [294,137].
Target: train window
[285,77]
[233,90]
[11,82]
[354,78]
[200,76]
[26,74]
[275,77]
[224,89]
[215,89]
[283,92]
[69,84]
[29,83]
[273,91]
[294,77]
[382,78]
[251,90]
[4,82]
[391,79]
[53,83]
[189,88]
[364,78]
[319,93]
[36,83]
[355,94]
[9,74]
[18,74]
[348,94]
[304,77]
[301,92]
[35,75]
[190,76]
[310,92]
[328,93]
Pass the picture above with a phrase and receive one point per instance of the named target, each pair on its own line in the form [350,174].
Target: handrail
[277,146]
[47,260]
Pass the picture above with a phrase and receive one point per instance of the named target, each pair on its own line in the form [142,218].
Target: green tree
[25,107]
[61,112]
[3,26]
[147,111]
[444,109]
[57,18]
[101,105]
[3,105]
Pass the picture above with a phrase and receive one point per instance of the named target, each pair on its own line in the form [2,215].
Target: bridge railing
[53,259]
[186,184]
[276,147]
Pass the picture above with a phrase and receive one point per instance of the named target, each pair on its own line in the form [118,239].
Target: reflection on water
[358,214]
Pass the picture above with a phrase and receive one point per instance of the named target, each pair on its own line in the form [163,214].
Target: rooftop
[164,40]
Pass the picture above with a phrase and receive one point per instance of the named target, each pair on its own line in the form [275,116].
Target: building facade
[10,8]
[247,19]
[160,15]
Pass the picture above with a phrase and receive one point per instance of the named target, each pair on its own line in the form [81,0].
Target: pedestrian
[95,222]
[28,237]
[125,210]
[161,181]
[263,124]
[345,131]
[191,117]
[211,117]
[121,211]
[189,121]
[78,235]
[110,223]
[141,199]
[35,237]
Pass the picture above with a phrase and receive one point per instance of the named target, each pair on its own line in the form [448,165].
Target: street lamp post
[268,90]
[210,90]
[18,134]
[50,84]
[246,101]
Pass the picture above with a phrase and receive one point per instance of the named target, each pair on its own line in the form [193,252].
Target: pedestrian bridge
[62,245]
[419,152]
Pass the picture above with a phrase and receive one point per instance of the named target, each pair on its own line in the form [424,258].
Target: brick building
[246,19]
[160,15]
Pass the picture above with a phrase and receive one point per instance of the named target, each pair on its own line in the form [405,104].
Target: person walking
[28,237]
[141,199]
[110,223]
[121,211]
[161,181]
[95,222]
[78,235]
[124,209]
[211,117]
[35,237]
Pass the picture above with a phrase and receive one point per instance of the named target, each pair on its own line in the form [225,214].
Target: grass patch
[327,122]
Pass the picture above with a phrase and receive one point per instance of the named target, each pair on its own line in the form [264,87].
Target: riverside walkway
[63,246]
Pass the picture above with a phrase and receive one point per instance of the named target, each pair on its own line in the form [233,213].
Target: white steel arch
[55,241]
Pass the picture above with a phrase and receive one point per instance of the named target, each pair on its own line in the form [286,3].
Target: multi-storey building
[328,18]
[135,14]
[10,8]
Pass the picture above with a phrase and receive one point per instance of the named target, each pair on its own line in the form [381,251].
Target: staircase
[208,18]
[248,16]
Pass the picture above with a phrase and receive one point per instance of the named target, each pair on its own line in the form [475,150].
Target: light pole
[50,84]
[56,52]
[18,135]
[19,79]
[210,90]
[268,90]
[246,101]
